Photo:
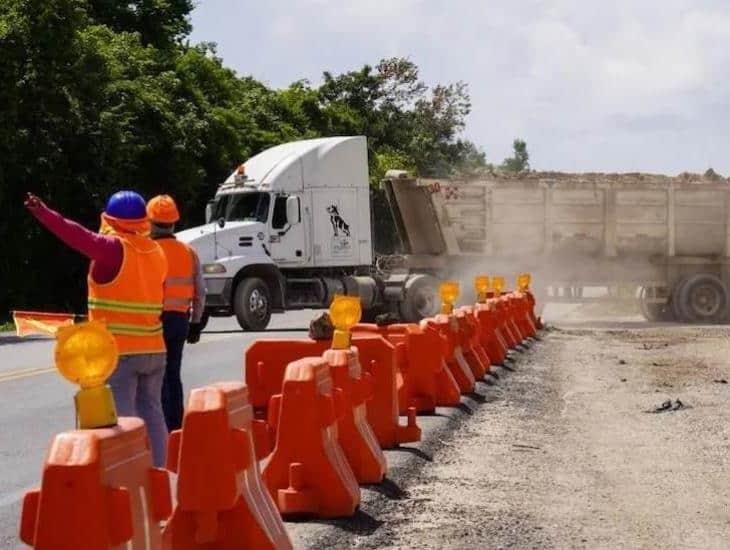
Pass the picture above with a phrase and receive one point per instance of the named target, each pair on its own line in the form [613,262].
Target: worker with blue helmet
[125,282]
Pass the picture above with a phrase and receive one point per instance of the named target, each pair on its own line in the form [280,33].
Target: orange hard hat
[162,209]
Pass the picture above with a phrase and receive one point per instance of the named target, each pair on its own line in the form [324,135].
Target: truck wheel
[652,311]
[421,299]
[702,298]
[252,304]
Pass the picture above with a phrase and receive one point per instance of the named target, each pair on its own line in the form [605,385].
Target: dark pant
[175,330]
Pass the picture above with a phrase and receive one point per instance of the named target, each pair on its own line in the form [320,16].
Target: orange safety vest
[179,284]
[131,304]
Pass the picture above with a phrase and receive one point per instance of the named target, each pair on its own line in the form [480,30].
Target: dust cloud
[560,297]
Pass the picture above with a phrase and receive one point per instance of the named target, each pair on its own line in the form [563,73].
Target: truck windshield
[240,207]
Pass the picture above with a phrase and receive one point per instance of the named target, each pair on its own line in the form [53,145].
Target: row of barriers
[306,429]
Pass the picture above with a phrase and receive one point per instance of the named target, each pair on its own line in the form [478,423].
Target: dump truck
[666,237]
[291,228]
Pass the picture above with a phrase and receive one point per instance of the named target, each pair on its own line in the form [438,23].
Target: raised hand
[32,202]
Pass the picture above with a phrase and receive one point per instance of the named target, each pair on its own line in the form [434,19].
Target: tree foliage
[520,159]
[99,95]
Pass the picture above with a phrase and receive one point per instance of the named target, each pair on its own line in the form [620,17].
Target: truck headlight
[214,268]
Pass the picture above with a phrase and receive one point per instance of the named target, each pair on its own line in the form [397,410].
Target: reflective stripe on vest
[179,284]
[116,328]
[131,304]
[130,307]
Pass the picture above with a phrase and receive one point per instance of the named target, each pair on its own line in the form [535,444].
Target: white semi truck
[290,228]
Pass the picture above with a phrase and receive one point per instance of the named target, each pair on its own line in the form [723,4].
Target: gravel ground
[562,453]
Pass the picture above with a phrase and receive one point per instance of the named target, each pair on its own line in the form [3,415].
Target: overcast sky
[591,85]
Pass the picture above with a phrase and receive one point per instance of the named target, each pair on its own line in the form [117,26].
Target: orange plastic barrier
[515,314]
[503,326]
[307,473]
[537,321]
[378,356]
[266,361]
[491,337]
[99,490]
[473,352]
[448,329]
[355,435]
[222,501]
[524,321]
[448,393]
[419,362]
[474,332]
[476,335]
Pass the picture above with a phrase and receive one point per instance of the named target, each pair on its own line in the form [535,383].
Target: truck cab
[288,229]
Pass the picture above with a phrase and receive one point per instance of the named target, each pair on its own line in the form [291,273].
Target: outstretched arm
[106,250]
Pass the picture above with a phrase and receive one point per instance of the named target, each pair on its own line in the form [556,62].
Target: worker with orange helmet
[183,302]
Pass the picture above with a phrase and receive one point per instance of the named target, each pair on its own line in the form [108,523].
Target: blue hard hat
[126,205]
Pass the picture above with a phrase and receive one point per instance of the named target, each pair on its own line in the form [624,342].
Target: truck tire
[651,311]
[252,304]
[702,298]
[421,299]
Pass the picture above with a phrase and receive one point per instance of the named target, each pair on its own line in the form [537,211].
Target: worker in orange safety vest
[125,281]
[183,302]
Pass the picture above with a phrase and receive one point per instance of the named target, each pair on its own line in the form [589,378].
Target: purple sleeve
[106,250]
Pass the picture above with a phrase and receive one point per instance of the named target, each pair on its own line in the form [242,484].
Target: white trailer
[668,237]
[290,228]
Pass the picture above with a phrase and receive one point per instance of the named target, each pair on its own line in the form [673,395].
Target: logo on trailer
[338,224]
[341,245]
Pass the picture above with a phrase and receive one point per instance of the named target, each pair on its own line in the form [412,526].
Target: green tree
[520,159]
[159,22]
[389,159]
[397,111]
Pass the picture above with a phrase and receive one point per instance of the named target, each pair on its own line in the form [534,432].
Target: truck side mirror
[293,211]
[209,211]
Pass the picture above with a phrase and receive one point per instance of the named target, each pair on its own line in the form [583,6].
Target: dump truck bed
[581,228]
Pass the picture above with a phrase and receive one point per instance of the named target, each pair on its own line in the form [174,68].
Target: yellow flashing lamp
[498,285]
[481,285]
[523,282]
[449,292]
[241,170]
[345,312]
[86,354]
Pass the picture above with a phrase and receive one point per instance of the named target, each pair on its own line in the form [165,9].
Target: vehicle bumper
[218,293]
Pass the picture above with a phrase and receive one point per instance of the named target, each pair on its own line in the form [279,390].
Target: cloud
[620,85]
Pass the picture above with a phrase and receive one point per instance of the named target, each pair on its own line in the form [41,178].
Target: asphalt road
[37,403]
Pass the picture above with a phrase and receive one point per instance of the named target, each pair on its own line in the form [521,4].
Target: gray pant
[137,387]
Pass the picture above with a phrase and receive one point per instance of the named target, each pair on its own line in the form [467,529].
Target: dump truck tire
[651,311]
[421,298]
[702,298]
